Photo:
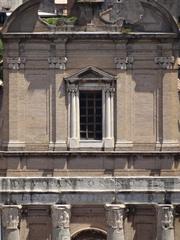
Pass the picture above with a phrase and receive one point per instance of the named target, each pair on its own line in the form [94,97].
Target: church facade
[89,123]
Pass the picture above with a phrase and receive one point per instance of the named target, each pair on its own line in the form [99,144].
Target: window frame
[105,83]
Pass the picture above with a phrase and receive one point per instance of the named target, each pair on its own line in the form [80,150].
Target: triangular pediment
[90,74]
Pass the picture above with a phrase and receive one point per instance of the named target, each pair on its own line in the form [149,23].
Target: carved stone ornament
[10,217]
[72,88]
[129,11]
[16,63]
[165,62]
[57,62]
[124,63]
[167,218]
[61,216]
[114,215]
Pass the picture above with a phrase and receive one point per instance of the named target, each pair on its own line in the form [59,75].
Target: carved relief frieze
[16,63]
[10,217]
[165,62]
[57,62]
[124,63]
[115,215]
[61,216]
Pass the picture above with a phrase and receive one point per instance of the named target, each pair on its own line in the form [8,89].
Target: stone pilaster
[60,222]
[57,62]
[115,216]
[73,113]
[10,222]
[109,118]
[165,222]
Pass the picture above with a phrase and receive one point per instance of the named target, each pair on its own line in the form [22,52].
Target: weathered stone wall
[35,102]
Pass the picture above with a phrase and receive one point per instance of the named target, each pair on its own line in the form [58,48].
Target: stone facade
[56,184]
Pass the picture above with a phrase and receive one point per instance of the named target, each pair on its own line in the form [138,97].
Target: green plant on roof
[61,20]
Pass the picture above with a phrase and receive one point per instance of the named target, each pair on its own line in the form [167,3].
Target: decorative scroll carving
[124,63]
[16,63]
[167,218]
[10,217]
[57,62]
[165,62]
[114,215]
[61,216]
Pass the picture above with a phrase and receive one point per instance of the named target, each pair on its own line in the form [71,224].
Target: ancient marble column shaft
[114,214]
[10,222]
[165,222]
[60,222]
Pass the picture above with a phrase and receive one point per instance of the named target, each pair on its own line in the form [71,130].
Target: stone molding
[165,62]
[16,63]
[61,216]
[10,217]
[115,215]
[57,62]
[124,63]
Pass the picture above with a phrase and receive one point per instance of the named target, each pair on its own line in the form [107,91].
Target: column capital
[165,62]
[61,216]
[115,215]
[16,63]
[124,63]
[57,62]
[10,216]
[166,216]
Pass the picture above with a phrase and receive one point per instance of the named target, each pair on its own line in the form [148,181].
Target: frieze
[76,184]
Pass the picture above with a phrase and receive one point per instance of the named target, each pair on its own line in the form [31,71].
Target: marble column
[165,222]
[115,215]
[60,222]
[10,222]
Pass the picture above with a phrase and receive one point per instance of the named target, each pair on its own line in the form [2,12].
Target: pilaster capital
[57,62]
[16,63]
[165,62]
[124,63]
[11,216]
[166,216]
[72,88]
[115,215]
[61,215]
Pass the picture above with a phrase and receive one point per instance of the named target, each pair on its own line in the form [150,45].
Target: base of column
[73,143]
[108,143]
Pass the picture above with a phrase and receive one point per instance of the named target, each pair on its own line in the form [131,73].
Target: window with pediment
[91,109]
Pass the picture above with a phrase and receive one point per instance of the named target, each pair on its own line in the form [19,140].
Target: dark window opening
[90,115]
